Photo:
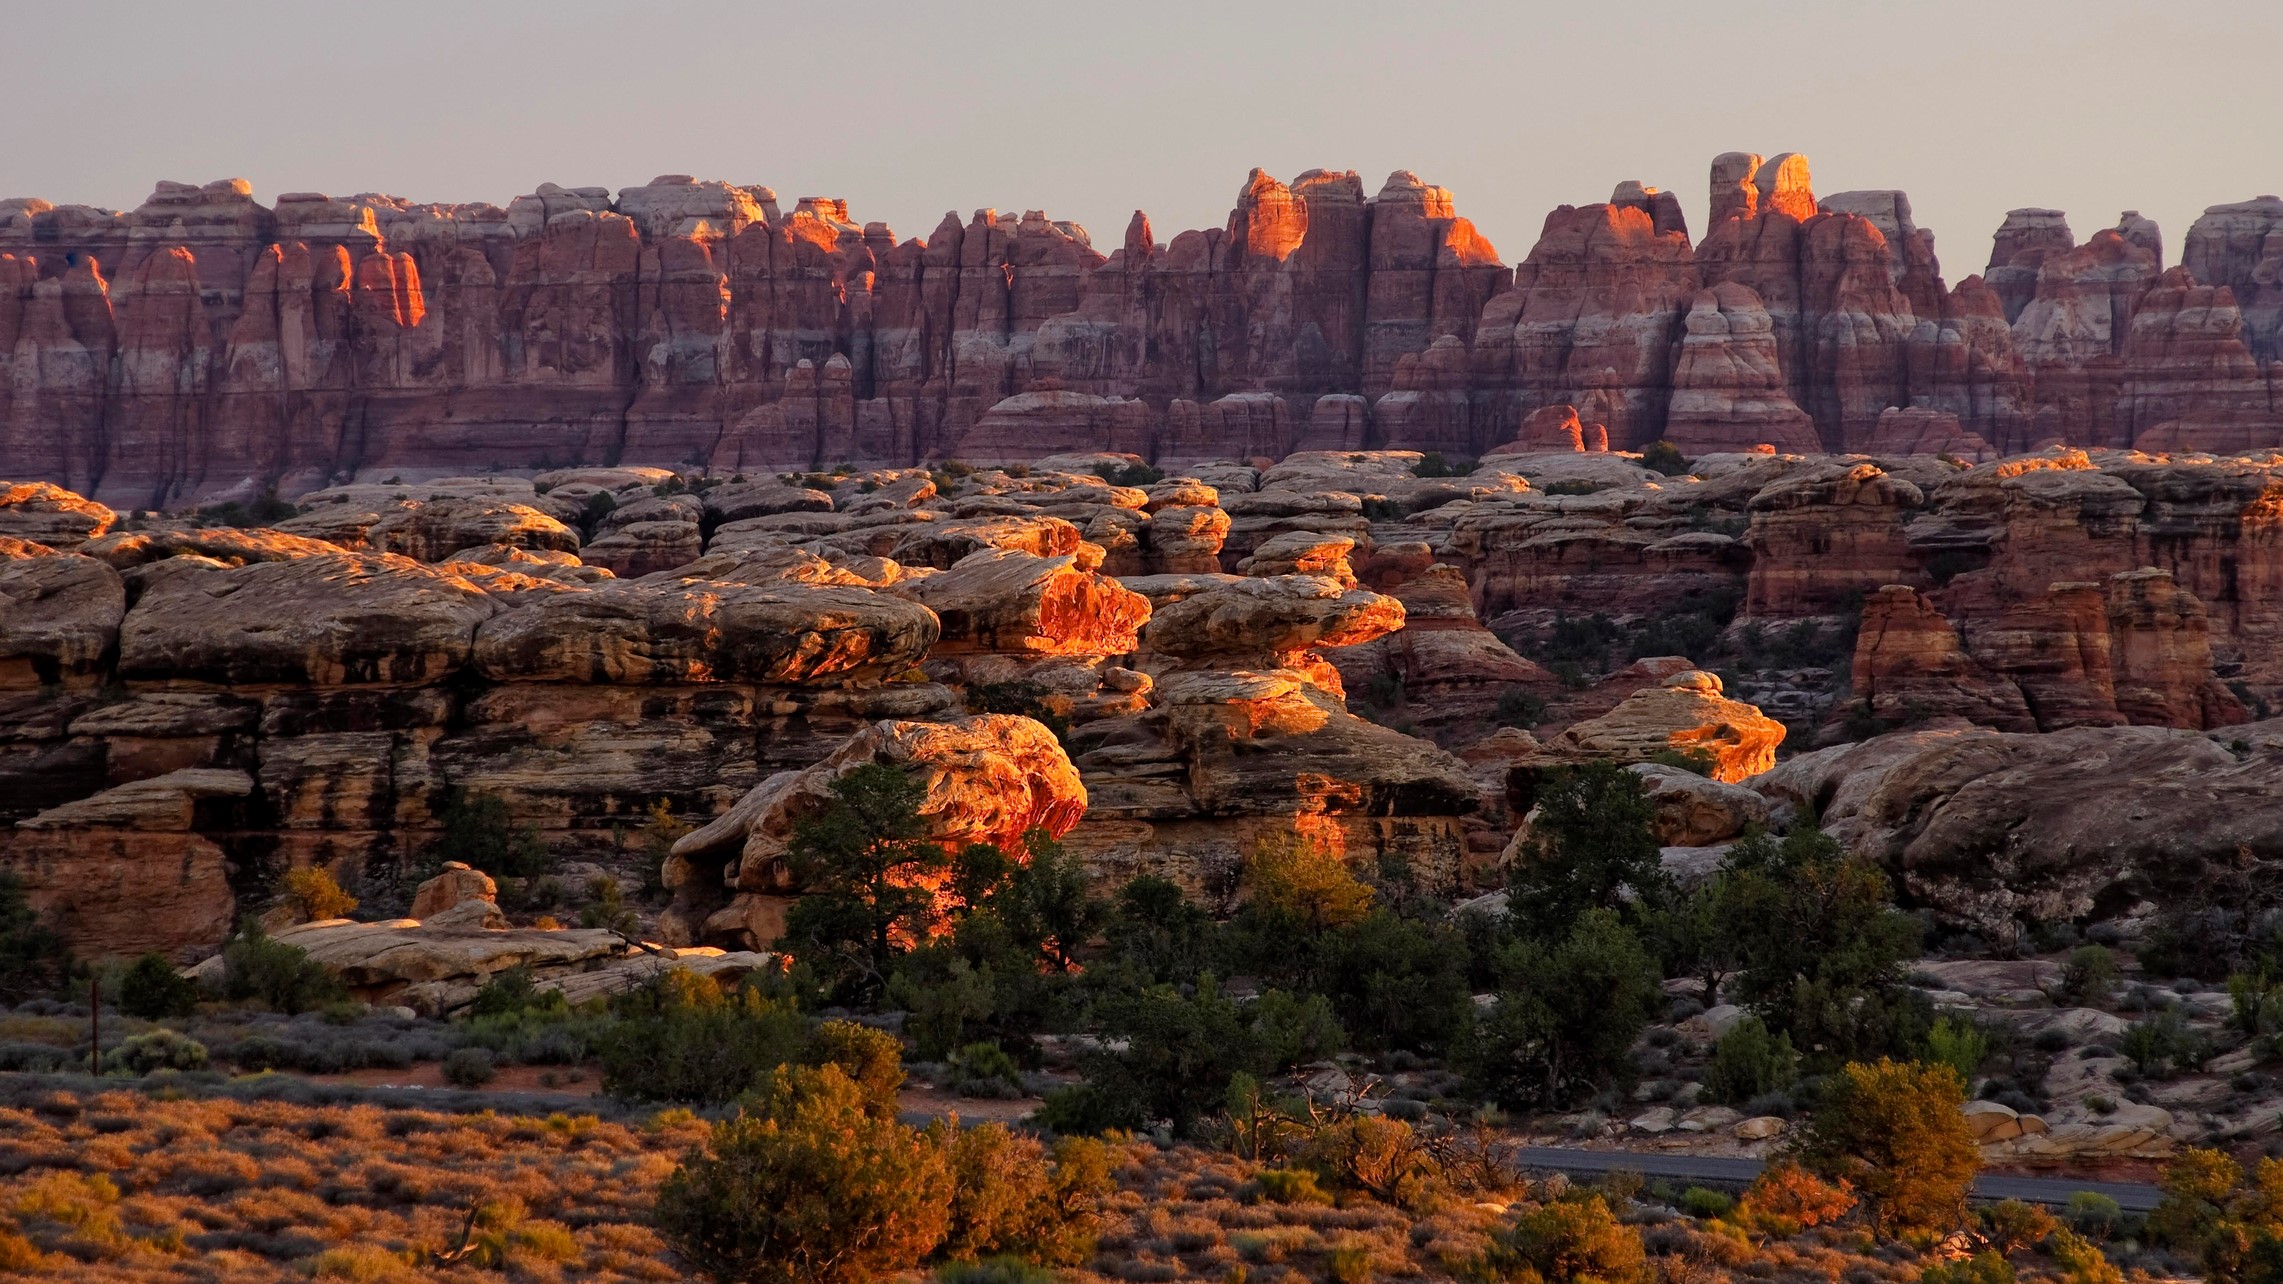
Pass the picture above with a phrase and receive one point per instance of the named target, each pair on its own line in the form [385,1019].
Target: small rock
[1758,1129]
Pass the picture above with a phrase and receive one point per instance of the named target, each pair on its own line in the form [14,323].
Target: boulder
[1685,713]
[44,513]
[1007,601]
[1694,811]
[455,885]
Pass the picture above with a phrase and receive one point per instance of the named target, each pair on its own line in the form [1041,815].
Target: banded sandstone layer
[1321,651]
[205,346]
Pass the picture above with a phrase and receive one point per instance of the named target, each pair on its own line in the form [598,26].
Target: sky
[1090,110]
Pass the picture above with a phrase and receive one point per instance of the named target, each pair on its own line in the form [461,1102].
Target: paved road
[2050,1191]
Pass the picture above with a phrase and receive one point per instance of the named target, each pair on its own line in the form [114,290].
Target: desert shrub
[2093,1214]
[274,973]
[1133,474]
[2197,1187]
[1895,1132]
[361,1264]
[1982,1268]
[33,959]
[1519,708]
[511,991]
[2012,1225]
[1296,883]
[994,1270]
[469,1068]
[872,1059]
[1432,464]
[984,1070]
[1704,1204]
[679,1038]
[153,991]
[1748,1062]
[1664,457]
[607,907]
[1291,1186]
[1564,1242]
[808,1187]
[313,894]
[479,832]
[1959,1044]
[2081,1261]
[1008,1200]
[1383,1158]
[2163,1045]
[160,1049]
[1786,1199]
[1181,1052]
[2088,976]
[1566,1016]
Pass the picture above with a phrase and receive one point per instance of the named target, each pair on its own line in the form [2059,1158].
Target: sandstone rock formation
[987,779]
[1686,713]
[2000,830]
[206,348]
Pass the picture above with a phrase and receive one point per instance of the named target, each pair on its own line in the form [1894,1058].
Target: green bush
[1749,1062]
[153,991]
[1959,1044]
[1982,1268]
[1180,1052]
[810,1184]
[2089,976]
[469,1068]
[1134,474]
[33,960]
[1566,1017]
[808,1187]
[160,1049]
[984,1070]
[479,832]
[271,972]
[1704,1204]
[510,992]
[680,1039]
[1664,457]
[2093,1214]
[1564,1242]
[2162,1046]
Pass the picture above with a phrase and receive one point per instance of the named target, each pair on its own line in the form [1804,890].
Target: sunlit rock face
[206,347]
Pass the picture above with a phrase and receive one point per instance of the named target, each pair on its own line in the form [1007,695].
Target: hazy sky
[1091,110]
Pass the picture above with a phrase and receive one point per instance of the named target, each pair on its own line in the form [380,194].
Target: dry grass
[123,1186]
[133,1185]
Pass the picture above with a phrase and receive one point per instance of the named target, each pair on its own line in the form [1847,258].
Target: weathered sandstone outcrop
[2000,830]
[991,779]
[1686,713]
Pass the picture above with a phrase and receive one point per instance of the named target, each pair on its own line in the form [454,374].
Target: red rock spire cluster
[205,346]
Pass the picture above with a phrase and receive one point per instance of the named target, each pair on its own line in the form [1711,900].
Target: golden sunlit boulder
[1688,713]
[1007,601]
[989,778]
[45,513]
